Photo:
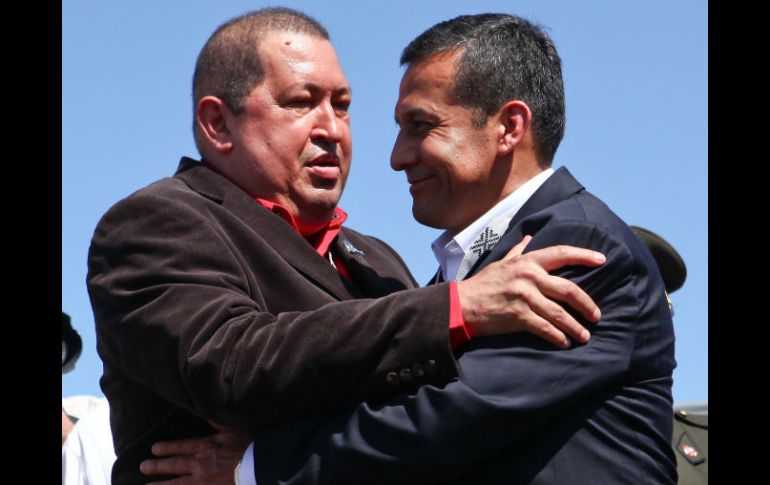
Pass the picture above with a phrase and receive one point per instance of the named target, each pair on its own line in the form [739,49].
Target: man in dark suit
[232,292]
[481,114]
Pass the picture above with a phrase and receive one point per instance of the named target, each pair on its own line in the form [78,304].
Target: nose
[328,125]
[403,154]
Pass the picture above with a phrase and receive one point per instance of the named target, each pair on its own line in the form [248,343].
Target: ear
[514,118]
[211,116]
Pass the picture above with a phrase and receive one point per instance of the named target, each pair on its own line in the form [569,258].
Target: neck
[308,228]
[520,170]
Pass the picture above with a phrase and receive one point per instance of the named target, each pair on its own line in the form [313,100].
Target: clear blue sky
[636,86]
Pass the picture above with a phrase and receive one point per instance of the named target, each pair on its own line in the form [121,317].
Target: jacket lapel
[558,187]
[371,274]
[355,262]
[270,227]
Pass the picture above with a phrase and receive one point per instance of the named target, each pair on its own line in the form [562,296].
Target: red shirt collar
[319,238]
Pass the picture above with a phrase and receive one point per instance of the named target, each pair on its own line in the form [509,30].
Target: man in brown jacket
[231,292]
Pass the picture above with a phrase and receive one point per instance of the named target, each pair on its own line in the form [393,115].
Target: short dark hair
[505,57]
[229,65]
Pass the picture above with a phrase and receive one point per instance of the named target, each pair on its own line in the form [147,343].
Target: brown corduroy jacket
[210,307]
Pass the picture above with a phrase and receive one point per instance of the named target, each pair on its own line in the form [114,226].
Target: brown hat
[671,265]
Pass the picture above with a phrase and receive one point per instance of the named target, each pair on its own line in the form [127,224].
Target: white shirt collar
[457,253]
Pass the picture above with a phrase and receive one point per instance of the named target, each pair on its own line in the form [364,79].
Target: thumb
[518,249]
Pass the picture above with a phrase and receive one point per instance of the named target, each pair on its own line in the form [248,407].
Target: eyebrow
[315,87]
[412,112]
[346,90]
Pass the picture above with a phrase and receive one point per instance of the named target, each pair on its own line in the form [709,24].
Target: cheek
[474,154]
[347,137]
[448,158]
[347,143]
[441,151]
[290,135]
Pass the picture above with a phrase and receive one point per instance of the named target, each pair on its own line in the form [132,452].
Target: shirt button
[391,378]
[431,366]
[418,370]
[405,375]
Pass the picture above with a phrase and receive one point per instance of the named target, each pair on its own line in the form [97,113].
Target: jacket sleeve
[175,312]
[509,386]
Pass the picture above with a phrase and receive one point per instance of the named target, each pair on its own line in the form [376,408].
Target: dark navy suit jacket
[521,410]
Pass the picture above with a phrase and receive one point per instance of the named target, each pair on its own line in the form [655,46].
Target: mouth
[325,166]
[417,181]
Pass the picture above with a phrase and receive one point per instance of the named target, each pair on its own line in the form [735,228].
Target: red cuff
[458,332]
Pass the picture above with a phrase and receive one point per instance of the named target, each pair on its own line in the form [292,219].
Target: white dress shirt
[457,253]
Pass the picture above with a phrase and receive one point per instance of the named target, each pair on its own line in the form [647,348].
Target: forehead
[295,58]
[426,84]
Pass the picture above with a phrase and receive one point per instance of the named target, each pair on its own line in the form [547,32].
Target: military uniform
[691,443]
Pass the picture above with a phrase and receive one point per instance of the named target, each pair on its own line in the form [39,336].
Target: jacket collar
[559,186]
[285,241]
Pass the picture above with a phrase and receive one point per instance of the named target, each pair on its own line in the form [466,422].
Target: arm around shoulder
[181,310]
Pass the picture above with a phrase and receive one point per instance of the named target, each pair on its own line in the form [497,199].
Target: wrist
[459,332]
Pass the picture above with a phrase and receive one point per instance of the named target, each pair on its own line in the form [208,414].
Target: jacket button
[418,370]
[405,375]
[391,378]
[431,366]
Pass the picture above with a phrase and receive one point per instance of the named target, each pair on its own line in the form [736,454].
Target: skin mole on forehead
[288,42]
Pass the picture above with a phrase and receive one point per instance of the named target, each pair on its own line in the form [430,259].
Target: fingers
[199,461]
[554,314]
[564,290]
[176,465]
[193,480]
[176,481]
[540,327]
[518,294]
[518,249]
[180,447]
[556,257]
[557,288]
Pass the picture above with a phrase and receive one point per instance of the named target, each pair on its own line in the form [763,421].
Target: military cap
[671,265]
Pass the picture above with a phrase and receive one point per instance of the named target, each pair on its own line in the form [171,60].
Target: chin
[320,211]
[427,218]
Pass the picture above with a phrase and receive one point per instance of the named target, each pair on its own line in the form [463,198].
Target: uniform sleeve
[175,312]
[509,387]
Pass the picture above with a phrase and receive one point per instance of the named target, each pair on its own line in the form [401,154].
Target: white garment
[457,253]
[87,454]
[244,472]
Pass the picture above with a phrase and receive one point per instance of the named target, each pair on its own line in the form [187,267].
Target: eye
[299,103]
[420,126]
[341,108]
